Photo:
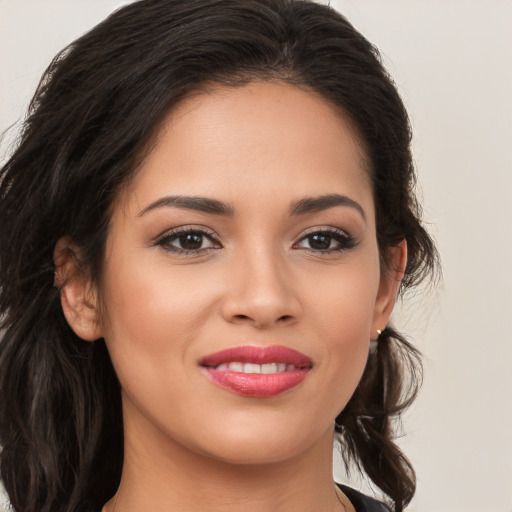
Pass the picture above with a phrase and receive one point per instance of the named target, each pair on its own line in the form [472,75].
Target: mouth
[257,371]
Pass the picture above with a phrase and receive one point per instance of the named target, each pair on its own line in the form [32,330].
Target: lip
[257,384]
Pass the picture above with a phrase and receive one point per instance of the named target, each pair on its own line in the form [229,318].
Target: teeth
[252,368]
[236,367]
[267,368]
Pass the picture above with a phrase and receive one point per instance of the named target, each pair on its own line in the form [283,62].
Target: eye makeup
[188,240]
[195,240]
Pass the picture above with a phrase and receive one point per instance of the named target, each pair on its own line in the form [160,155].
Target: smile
[266,368]
[257,371]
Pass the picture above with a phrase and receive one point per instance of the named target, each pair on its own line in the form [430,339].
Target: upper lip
[257,355]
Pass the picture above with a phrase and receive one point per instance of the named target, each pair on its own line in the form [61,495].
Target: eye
[326,240]
[188,241]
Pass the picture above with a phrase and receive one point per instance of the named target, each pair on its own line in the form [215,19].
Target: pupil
[320,242]
[191,241]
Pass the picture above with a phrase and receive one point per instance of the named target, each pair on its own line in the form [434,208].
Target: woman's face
[250,225]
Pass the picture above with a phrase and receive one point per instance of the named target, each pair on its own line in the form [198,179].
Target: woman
[207,220]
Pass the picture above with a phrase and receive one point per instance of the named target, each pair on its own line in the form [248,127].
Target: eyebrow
[208,205]
[315,204]
[202,204]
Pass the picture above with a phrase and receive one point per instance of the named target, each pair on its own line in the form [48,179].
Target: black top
[361,502]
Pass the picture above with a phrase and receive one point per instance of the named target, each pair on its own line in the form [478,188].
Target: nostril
[284,318]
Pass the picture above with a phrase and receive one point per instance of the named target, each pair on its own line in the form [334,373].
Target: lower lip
[257,384]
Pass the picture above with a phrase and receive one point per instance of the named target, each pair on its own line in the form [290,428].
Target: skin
[256,279]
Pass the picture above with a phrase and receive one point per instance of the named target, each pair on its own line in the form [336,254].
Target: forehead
[232,142]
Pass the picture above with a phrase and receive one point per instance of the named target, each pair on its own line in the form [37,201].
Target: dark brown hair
[92,117]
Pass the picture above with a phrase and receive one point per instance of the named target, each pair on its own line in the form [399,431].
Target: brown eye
[327,241]
[320,241]
[188,241]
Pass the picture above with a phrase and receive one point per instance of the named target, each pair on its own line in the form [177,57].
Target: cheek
[142,297]
[341,300]
[142,311]
[341,314]
[155,312]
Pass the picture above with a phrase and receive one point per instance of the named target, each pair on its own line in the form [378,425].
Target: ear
[390,279]
[77,295]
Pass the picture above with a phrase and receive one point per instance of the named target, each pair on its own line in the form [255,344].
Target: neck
[177,478]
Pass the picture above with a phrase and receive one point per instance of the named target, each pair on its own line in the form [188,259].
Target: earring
[374,341]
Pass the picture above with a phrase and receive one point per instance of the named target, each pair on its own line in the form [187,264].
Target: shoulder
[363,503]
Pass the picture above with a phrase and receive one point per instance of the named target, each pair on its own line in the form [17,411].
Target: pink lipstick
[257,371]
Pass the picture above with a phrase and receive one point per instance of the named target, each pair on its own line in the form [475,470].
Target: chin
[263,443]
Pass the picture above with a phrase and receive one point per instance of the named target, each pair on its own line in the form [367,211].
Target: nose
[260,292]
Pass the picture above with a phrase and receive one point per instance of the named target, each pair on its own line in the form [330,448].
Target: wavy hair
[91,121]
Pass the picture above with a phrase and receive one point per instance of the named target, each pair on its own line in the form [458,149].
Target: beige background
[452,61]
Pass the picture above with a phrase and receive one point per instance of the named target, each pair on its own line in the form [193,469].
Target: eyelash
[345,241]
[166,240]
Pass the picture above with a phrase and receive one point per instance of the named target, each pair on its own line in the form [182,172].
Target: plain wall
[452,63]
